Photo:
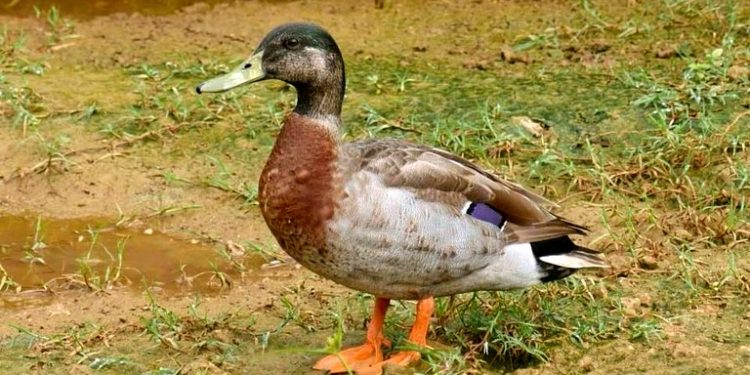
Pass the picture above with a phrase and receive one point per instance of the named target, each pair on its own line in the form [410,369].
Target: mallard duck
[394,219]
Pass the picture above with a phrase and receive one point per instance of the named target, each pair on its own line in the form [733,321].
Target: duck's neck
[322,98]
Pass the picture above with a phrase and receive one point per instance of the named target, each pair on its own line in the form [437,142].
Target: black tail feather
[581,257]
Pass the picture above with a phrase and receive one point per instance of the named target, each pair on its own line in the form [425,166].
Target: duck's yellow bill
[251,70]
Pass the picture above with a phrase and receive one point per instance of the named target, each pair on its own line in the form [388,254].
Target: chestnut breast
[296,189]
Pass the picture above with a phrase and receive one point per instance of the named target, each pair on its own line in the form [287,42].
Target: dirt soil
[122,180]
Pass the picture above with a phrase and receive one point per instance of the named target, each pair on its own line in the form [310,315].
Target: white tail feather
[576,260]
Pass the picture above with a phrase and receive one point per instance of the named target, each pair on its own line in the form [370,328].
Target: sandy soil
[104,181]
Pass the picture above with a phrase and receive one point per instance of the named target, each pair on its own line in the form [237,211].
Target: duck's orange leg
[417,336]
[364,355]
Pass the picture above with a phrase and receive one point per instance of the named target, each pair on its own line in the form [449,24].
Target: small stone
[510,56]
[666,52]
[645,299]
[674,331]
[586,364]
[648,262]
[599,46]
[148,231]
[58,309]
[600,292]
[272,264]
[156,289]
[536,129]
[737,73]
[630,306]
[223,335]
[475,64]
[683,234]
[234,249]
[198,8]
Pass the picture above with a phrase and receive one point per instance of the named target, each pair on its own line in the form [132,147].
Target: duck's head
[301,54]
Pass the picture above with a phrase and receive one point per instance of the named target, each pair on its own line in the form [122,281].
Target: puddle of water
[69,253]
[76,9]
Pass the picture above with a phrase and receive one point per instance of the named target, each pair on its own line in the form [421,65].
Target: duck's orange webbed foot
[365,355]
[350,359]
[367,359]
[417,336]
[400,359]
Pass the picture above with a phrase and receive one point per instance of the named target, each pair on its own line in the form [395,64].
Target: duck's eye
[291,43]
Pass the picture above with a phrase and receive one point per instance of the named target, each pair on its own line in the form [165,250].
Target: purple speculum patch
[486,213]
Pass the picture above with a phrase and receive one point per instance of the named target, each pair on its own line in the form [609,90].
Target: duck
[397,220]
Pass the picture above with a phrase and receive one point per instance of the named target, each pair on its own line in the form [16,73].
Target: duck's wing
[413,221]
[436,175]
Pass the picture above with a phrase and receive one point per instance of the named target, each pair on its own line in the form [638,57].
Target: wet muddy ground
[130,241]
[74,9]
[43,253]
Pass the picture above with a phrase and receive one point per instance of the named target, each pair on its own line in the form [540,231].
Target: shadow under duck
[387,217]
